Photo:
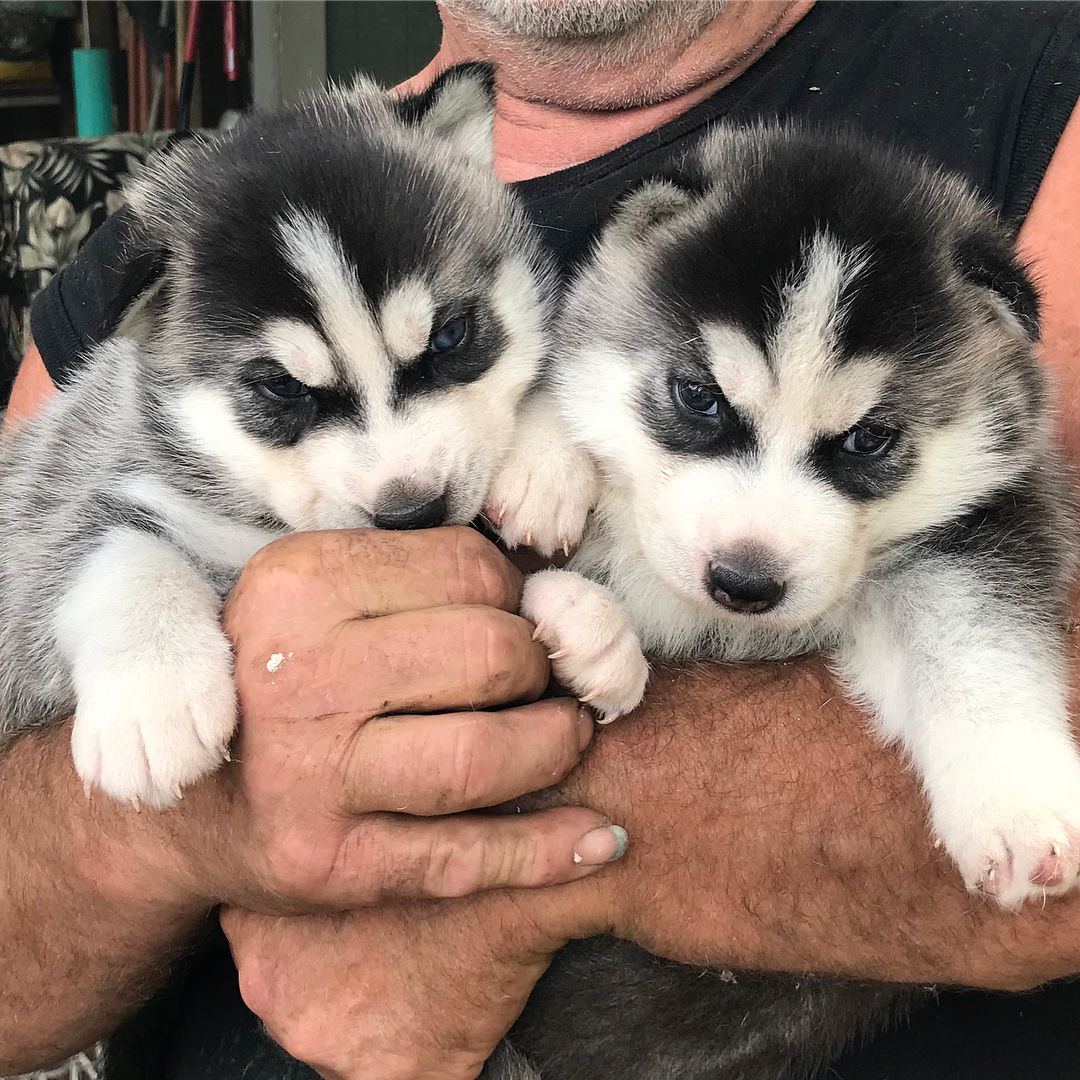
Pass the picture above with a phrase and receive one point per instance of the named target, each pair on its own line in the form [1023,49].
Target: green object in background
[390,40]
[93,91]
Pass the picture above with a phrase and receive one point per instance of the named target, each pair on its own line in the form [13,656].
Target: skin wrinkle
[538,132]
[933,932]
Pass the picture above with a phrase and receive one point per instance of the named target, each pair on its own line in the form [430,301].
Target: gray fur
[323,246]
[821,287]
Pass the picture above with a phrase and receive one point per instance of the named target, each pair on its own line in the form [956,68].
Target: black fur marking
[239,276]
[285,422]
[468,362]
[987,262]
[735,269]
[1015,541]
[414,108]
[586,1019]
[682,432]
[698,436]
[863,478]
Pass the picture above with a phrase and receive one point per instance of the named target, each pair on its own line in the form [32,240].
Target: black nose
[747,590]
[410,510]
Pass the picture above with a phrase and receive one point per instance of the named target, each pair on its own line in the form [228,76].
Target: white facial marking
[815,393]
[315,252]
[806,334]
[275,474]
[406,317]
[738,365]
[516,301]
[300,351]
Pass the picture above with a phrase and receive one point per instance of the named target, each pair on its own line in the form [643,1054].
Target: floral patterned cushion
[52,195]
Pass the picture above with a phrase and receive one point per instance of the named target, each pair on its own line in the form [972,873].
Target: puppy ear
[459,108]
[161,195]
[652,204]
[989,262]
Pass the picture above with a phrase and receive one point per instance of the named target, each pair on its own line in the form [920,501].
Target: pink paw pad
[1050,871]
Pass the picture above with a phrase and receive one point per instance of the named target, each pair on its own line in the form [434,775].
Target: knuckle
[453,870]
[288,555]
[501,641]
[272,572]
[483,574]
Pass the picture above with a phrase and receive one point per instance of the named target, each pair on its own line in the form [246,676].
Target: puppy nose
[745,589]
[407,509]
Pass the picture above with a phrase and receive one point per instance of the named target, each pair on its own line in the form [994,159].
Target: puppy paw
[542,495]
[1019,838]
[594,650]
[147,728]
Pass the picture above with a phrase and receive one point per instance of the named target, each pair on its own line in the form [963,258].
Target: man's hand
[370,669]
[367,666]
[420,991]
[753,848]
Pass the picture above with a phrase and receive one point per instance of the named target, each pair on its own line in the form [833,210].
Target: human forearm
[771,830]
[91,912]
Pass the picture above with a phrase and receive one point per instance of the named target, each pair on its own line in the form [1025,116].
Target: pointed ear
[989,262]
[160,195]
[459,108]
[652,204]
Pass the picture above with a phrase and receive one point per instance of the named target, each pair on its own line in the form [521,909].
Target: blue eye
[451,335]
[697,397]
[867,439]
[283,388]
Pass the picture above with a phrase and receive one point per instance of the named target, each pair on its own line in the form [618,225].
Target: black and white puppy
[807,370]
[352,312]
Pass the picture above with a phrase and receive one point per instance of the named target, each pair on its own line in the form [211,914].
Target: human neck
[550,116]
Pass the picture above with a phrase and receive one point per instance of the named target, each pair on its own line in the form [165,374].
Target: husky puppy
[806,368]
[351,313]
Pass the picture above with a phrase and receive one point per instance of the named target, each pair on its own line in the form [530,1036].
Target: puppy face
[353,314]
[818,356]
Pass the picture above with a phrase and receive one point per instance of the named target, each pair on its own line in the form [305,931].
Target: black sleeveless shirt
[984,89]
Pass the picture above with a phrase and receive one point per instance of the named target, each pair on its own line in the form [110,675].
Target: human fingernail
[584,726]
[603,845]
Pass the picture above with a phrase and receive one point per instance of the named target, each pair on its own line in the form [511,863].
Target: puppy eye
[867,439]
[697,398]
[284,388]
[451,335]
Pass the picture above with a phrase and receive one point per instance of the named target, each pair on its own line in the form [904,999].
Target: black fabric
[83,304]
[985,90]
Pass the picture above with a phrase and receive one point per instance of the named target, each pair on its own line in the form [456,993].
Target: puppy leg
[151,669]
[544,490]
[975,692]
[594,650]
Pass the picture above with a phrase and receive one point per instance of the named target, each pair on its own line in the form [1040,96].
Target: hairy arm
[769,830]
[92,905]
[772,831]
